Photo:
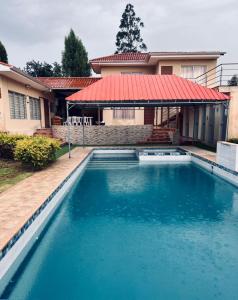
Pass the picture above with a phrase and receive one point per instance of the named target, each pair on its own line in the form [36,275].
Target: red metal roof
[68,82]
[132,56]
[146,88]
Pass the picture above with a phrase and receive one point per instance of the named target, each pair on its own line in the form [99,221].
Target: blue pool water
[131,231]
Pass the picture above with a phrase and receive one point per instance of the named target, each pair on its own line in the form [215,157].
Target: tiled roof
[138,57]
[142,57]
[146,88]
[68,82]
[5,64]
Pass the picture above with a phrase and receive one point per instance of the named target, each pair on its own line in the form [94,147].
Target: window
[191,72]
[35,109]
[125,114]
[166,70]
[17,103]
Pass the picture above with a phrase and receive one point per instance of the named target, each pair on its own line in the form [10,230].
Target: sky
[35,29]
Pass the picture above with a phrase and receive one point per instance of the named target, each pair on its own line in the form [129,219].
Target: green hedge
[8,144]
[36,152]
[235,141]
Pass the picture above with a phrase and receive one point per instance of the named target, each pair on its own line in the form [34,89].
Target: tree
[39,69]
[233,81]
[3,54]
[129,39]
[74,57]
[57,69]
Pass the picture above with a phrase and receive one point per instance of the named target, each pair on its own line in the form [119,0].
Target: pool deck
[18,203]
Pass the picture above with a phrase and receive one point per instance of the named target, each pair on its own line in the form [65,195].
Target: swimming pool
[134,231]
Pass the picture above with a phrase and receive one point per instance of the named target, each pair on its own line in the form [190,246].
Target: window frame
[121,113]
[35,115]
[193,69]
[16,111]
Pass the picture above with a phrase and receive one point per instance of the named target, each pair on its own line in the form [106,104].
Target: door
[47,113]
[195,125]
[149,115]
[166,70]
[203,129]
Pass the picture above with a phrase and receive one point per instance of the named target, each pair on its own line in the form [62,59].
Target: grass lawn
[64,149]
[11,172]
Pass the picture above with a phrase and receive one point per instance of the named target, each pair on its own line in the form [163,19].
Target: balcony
[223,75]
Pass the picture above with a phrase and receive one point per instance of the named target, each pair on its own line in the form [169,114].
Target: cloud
[35,29]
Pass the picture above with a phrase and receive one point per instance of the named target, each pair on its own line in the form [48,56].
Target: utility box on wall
[227,155]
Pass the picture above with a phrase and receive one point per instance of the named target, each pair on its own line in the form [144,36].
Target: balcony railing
[223,75]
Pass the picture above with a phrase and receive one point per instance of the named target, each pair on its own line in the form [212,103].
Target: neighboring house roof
[124,89]
[150,58]
[18,75]
[68,82]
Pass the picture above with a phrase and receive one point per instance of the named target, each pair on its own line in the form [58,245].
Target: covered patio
[200,112]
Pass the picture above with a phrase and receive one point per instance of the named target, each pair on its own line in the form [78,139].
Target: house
[24,101]
[27,104]
[204,123]
[188,65]
[194,117]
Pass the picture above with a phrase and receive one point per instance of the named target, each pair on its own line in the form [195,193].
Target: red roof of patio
[136,88]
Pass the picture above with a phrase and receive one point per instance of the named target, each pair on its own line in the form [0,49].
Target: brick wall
[104,135]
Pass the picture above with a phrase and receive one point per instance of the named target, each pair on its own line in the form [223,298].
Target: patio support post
[168,116]
[156,116]
[177,116]
[83,126]
[99,117]
[161,116]
[67,116]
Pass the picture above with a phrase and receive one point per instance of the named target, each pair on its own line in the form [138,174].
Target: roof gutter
[143,103]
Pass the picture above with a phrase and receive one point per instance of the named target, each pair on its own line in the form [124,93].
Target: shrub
[8,144]
[235,141]
[37,152]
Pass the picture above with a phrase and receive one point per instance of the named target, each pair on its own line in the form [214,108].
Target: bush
[235,141]
[37,152]
[8,144]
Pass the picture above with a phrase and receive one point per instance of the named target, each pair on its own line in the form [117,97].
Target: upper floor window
[35,108]
[191,72]
[125,113]
[17,103]
[166,70]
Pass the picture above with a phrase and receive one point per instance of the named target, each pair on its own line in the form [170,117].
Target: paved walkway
[201,152]
[18,203]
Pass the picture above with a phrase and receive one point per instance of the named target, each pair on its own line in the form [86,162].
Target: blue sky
[35,29]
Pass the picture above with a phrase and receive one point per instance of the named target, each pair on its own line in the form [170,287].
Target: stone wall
[104,135]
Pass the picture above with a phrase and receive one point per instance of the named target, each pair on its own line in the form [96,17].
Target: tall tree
[3,54]
[75,57]
[129,38]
